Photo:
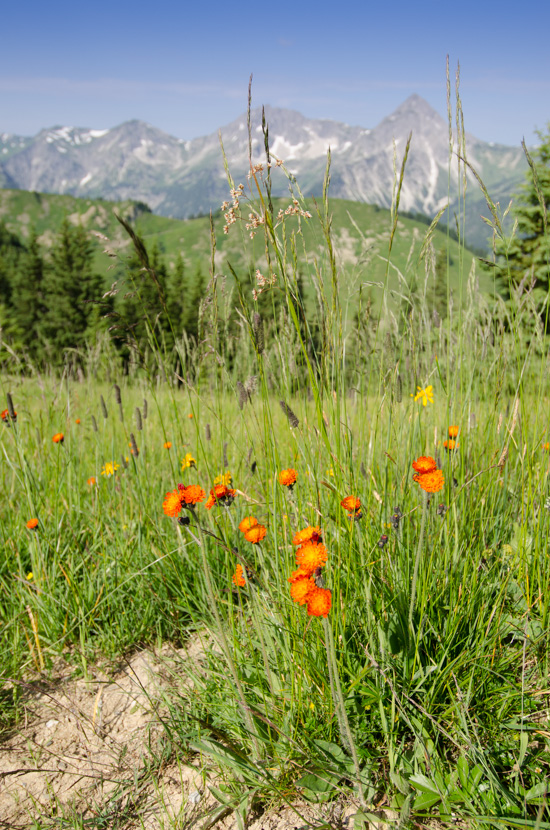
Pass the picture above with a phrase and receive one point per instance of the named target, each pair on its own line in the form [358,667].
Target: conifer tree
[70,288]
[29,307]
[529,250]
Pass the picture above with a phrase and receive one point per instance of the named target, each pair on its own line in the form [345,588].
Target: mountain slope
[183,178]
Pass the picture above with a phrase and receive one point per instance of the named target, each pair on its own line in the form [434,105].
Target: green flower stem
[223,641]
[417,561]
[339,705]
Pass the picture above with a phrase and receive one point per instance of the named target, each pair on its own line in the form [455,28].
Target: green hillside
[361,236]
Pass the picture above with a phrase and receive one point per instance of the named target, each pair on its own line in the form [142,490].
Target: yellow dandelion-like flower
[109,468]
[224,479]
[425,395]
[188,461]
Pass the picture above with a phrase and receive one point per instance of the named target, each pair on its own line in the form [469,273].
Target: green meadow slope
[361,235]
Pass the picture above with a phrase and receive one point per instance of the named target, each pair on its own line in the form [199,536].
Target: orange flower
[238,577]
[247,523]
[451,445]
[308,534]
[172,504]
[311,556]
[255,534]
[222,494]
[167,445]
[351,503]
[5,415]
[192,494]
[301,588]
[32,524]
[319,601]
[58,438]
[287,477]
[546,447]
[424,464]
[453,432]
[431,482]
[296,575]
[91,481]
[77,421]
[190,415]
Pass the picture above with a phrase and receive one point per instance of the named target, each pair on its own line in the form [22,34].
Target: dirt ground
[88,751]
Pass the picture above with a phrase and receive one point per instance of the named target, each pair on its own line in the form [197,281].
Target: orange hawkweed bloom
[301,588]
[451,445]
[453,432]
[238,577]
[351,503]
[192,494]
[221,494]
[77,421]
[58,438]
[311,556]
[424,464]
[255,534]
[91,481]
[431,482]
[308,534]
[173,503]
[5,415]
[247,523]
[190,415]
[167,445]
[32,524]
[287,477]
[319,601]
[298,574]
[546,447]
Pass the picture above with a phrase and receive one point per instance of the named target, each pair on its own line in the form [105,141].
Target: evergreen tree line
[53,302]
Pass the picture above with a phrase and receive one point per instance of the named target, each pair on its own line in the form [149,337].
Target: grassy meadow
[378,631]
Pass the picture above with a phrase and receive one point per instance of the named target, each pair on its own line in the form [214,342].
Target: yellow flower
[188,461]
[425,395]
[224,479]
[109,468]
[30,575]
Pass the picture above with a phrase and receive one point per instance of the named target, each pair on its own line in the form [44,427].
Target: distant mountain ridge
[181,178]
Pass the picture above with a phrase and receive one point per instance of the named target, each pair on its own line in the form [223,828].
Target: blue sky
[184,66]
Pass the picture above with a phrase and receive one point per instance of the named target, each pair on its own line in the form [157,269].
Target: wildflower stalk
[417,560]
[223,640]
[339,705]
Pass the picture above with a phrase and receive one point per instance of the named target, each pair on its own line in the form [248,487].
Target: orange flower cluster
[287,477]
[32,524]
[311,556]
[353,505]
[451,445]
[252,530]
[427,475]
[183,496]
[58,438]
[453,431]
[5,415]
[220,494]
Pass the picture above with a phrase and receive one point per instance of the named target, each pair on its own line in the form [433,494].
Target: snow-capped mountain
[182,178]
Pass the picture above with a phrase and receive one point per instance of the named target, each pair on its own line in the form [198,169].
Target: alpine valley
[179,178]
